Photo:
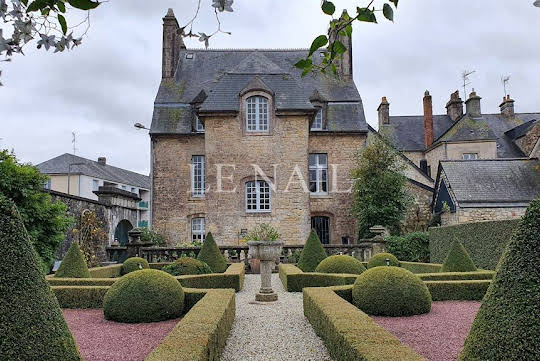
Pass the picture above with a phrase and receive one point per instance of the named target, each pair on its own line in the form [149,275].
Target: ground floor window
[258,197]
[198,229]
[321,225]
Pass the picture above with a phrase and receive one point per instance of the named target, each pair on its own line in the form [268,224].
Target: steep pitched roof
[88,167]
[407,132]
[495,182]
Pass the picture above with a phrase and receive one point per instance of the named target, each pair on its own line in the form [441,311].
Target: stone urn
[267,252]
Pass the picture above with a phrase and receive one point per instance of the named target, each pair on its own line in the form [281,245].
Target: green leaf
[83,4]
[61,6]
[328,7]
[319,42]
[63,24]
[35,6]
[334,68]
[365,15]
[306,70]
[388,12]
[303,63]
[395,2]
[338,47]
[348,30]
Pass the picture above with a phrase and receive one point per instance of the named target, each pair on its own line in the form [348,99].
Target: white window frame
[199,126]
[319,168]
[318,120]
[470,156]
[198,229]
[198,176]
[47,184]
[257,114]
[256,193]
[95,184]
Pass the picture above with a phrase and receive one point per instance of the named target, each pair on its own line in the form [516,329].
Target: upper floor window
[470,156]
[197,176]
[199,126]
[318,173]
[47,184]
[95,184]
[317,122]
[198,229]
[258,197]
[257,114]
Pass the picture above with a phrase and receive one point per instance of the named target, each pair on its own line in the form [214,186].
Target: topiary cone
[507,325]
[31,323]
[458,259]
[73,264]
[312,253]
[211,255]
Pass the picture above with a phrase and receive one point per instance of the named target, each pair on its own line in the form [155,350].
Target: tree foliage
[45,220]
[91,236]
[73,265]
[380,187]
[312,253]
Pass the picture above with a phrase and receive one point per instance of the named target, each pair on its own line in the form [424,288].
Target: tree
[380,188]
[91,237]
[458,259]
[45,220]
[312,253]
[211,255]
[73,265]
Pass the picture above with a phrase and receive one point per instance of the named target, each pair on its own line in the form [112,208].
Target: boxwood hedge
[462,290]
[294,279]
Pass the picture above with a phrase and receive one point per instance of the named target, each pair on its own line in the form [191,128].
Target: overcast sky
[101,88]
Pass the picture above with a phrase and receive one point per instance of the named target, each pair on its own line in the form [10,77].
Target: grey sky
[101,88]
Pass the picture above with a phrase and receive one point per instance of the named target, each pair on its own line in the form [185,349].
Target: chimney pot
[473,105]
[454,107]
[428,119]
[507,107]
[344,63]
[102,160]
[383,112]
[172,43]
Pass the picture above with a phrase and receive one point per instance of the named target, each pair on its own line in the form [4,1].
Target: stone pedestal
[267,252]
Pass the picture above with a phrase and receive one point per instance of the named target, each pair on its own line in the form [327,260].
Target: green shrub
[457,276]
[32,326]
[458,260]
[233,277]
[80,296]
[391,291]
[348,333]
[484,240]
[134,264]
[340,264]
[459,290]
[380,260]
[187,266]
[111,271]
[263,232]
[144,296]
[412,247]
[506,327]
[55,281]
[211,255]
[312,253]
[73,265]
[294,280]
[150,236]
[417,267]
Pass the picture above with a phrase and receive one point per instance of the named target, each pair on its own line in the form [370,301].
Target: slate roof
[90,168]
[223,74]
[407,132]
[495,181]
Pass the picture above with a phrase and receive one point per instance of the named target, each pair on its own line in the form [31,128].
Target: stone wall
[419,213]
[529,141]
[467,215]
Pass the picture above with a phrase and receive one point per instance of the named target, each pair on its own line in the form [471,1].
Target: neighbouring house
[97,181]
[240,138]
[482,190]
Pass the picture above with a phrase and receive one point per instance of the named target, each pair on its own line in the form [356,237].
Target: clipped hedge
[458,259]
[111,271]
[53,281]
[73,264]
[484,240]
[211,255]
[202,333]
[80,296]
[380,260]
[340,264]
[134,264]
[465,290]
[233,277]
[348,333]
[417,267]
[412,247]
[312,254]
[187,266]
[294,280]
[457,276]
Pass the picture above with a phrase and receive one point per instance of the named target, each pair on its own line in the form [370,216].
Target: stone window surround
[470,156]
[190,218]
[192,194]
[241,192]
[323,108]
[331,220]
[258,202]
[243,114]
[319,170]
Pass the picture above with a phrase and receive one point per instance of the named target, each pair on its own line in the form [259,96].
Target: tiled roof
[90,168]
[496,181]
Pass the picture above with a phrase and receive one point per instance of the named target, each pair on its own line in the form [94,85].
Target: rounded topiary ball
[391,291]
[380,260]
[187,266]
[144,296]
[340,264]
[134,264]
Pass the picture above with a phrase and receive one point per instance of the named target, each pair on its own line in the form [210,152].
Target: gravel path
[438,335]
[272,332]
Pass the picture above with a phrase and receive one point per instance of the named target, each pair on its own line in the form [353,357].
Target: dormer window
[199,126]
[257,114]
[317,122]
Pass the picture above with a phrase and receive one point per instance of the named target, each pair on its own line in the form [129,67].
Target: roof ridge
[97,163]
[485,160]
[244,49]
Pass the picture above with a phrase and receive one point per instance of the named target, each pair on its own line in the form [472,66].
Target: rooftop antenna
[465,76]
[504,80]
[73,140]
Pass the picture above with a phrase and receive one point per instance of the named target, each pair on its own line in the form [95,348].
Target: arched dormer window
[257,117]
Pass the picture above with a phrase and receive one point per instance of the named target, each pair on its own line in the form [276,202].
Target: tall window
[470,156]
[199,126]
[317,122]
[198,229]
[258,197]
[321,225]
[95,184]
[197,176]
[257,114]
[318,173]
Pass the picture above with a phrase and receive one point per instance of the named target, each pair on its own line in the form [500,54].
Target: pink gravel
[102,340]
[438,335]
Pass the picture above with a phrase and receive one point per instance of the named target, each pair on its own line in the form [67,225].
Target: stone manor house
[238,138]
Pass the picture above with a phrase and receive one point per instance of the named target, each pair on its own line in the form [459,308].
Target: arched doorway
[121,232]
[321,225]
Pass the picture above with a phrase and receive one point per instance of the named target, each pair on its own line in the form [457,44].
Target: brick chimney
[428,119]
[473,105]
[454,107]
[172,43]
[102,160]
[507,107]
[384,112]
[344,64]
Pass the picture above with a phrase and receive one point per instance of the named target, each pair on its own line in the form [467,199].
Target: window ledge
[196,199]
[258,214]
[320,196]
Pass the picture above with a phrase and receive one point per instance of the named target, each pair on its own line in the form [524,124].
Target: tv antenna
[504,80]
[73,140]
[466,81]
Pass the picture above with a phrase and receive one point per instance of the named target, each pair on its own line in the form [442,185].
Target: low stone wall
[479,214]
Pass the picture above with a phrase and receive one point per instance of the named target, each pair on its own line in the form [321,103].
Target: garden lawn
[102,340]
[438,335]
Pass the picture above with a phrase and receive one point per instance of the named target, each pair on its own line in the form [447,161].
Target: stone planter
[268,252]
